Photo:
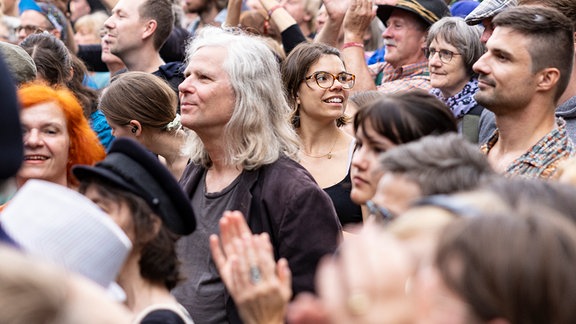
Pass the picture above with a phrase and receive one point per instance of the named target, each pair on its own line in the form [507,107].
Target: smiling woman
[317,86]
[452,48]
[56,135]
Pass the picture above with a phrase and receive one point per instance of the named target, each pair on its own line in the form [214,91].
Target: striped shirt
[406,77]
[542,160]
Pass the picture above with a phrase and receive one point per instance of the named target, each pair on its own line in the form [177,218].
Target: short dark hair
[55,64]
[158,261]
[161,12]
[141,96]
[406,116]
[52,58]
[552,38]
[566,7]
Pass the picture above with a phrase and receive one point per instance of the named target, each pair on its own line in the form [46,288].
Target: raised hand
[260,287]
[358,19]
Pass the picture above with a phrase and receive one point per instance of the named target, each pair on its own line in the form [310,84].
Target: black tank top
[348,212]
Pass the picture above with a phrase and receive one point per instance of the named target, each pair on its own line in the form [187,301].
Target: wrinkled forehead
[406,17]
[34,18]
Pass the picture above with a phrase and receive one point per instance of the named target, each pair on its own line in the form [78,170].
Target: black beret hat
[429,10]
[133,168]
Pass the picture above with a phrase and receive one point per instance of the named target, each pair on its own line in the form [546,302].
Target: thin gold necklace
[327,155]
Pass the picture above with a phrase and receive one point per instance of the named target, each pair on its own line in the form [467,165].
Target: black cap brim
[132,168]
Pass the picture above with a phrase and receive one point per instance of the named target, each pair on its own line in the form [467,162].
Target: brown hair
[566,7]
[161,12]
[158,261]
[363,98]
[140,96]
[515,267]
[294,69]
[406,116]
[58,67]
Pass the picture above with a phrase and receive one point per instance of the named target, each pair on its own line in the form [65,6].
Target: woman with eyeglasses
[452,48]
[317,86]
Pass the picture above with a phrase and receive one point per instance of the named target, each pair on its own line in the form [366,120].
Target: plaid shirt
[406,77]
[542,160]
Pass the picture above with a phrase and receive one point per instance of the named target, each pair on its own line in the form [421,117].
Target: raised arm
[330,32]
[356,22]
[234,10]
[287,26]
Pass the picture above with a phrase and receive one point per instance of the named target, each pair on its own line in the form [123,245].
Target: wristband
[352,44]
[271,11]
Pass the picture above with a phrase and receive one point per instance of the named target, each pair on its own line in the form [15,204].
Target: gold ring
[358,303]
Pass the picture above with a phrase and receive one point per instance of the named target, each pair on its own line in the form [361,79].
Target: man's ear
[547,79]
[423,41]
[151,26]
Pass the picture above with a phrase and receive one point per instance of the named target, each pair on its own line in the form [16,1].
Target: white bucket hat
[60,225]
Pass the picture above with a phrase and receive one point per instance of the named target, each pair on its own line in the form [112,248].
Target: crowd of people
[300,161]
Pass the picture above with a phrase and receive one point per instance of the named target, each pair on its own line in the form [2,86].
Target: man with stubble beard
[521,78]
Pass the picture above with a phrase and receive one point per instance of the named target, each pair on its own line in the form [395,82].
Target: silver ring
[255,275]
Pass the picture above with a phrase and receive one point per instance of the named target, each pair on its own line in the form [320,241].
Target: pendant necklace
[327,155]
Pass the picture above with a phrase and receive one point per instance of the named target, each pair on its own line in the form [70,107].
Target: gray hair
[259,131]
[439,164]
[466,39]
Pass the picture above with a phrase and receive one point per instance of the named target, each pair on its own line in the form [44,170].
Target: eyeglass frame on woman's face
[444,54]
[345,84]
[32,29]
[381,213]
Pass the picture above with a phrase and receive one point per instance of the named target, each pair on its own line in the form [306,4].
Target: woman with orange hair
[56,135]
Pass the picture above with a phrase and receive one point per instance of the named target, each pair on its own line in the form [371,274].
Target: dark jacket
[173,73]
[283,200]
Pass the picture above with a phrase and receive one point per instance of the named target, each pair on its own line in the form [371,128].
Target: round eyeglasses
[445,55]
[325,80]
